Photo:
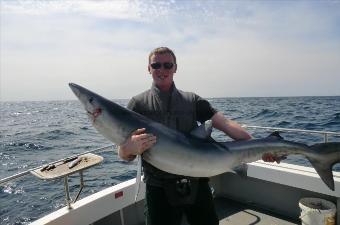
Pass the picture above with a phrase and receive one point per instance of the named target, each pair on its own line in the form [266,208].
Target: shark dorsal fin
[276,135]
[203,131]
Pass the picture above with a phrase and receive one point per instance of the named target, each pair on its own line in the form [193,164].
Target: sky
[223,48]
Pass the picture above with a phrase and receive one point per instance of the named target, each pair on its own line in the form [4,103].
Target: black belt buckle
[183,187]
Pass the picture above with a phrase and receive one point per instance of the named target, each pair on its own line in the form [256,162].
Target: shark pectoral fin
[203,131]
[325,172]
[241,170]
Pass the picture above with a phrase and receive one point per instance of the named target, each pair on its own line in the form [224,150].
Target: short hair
[162,50]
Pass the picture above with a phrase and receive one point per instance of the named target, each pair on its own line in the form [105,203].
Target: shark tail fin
[324,156]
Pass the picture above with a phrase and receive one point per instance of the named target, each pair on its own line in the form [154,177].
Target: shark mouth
[95,114]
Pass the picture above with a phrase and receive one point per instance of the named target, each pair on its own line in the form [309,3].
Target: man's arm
[205,111]
[229,127]
[236,132]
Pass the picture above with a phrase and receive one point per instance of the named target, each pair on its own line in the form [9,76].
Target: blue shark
[197,154]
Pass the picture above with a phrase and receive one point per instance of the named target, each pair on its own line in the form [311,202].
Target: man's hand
[268,157]
[138,143]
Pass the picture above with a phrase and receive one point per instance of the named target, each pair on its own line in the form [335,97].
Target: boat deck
[230,212]
[234,213]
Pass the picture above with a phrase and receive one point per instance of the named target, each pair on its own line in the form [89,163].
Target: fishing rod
[24,173]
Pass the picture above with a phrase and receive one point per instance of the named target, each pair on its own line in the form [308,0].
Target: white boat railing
[325,134]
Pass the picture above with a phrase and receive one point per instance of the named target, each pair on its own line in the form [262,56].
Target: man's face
[159,68]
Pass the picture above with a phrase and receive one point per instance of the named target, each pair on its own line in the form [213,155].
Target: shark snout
[87,98]
[75,89]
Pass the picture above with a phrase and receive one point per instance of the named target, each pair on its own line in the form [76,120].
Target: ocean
[35,133]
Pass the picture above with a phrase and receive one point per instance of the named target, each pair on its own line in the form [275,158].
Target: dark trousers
[159,211]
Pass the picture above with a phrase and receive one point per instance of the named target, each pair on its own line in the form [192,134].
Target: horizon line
[293,96]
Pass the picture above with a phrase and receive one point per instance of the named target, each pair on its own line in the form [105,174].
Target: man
[169,196]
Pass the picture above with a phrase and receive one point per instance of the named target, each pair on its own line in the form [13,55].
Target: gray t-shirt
[176,109]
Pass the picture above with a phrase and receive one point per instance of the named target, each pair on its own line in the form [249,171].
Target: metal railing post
[67,192]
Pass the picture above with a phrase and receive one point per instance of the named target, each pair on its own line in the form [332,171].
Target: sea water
[35,133]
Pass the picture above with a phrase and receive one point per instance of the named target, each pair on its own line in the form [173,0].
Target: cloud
[253,67]
[105,9]
[225,48]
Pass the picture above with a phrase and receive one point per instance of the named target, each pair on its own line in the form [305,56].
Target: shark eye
[91,100]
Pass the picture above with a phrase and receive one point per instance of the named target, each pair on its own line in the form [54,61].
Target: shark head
[113,121]
[91,101]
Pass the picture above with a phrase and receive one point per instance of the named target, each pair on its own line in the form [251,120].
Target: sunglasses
[158,65]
